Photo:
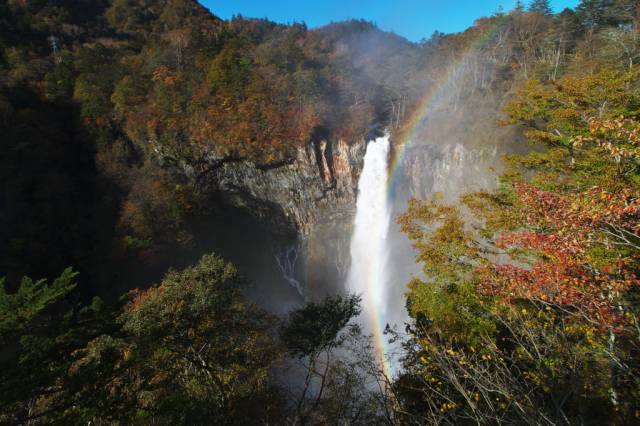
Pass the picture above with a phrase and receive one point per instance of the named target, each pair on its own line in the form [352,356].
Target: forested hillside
[125,77]
[527,312]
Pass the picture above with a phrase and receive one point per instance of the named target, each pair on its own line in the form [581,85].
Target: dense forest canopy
[527,311]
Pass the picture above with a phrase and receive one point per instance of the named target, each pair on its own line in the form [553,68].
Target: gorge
[243,222]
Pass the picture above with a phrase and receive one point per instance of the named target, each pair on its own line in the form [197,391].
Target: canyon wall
[318,185]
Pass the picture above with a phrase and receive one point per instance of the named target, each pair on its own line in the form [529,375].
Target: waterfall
[368,275]
[287,259]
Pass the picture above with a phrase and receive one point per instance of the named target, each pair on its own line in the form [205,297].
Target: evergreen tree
[519,7]
[39,328]
[603,13]
[540,6]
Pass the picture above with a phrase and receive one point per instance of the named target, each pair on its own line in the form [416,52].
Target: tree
[540,6]
[39,329]
[317,327]
[18,309]
[228,73]
[314,332]
[126,15]
[595,14]
[190,350]
[338,370]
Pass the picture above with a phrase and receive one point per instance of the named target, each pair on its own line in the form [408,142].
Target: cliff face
[448,170]
[318,185]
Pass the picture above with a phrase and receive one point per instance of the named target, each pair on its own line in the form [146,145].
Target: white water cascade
[368,274]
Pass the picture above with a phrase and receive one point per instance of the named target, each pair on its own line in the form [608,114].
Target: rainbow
[434,97]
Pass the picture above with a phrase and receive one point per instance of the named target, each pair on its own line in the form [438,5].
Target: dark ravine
[319,185]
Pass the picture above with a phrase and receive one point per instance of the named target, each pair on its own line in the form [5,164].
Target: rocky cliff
[318,185]
[448,170]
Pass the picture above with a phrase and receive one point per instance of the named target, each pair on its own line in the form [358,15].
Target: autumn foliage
[565,231]
[533,304]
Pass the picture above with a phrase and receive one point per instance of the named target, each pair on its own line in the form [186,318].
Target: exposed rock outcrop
[318,185]
[448,170]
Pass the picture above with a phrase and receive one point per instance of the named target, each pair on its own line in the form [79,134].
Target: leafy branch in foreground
[19,308]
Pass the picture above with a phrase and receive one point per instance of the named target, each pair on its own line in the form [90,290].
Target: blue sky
[413,19]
